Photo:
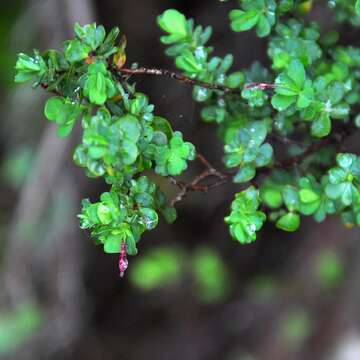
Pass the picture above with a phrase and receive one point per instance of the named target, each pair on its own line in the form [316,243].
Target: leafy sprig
[282,127]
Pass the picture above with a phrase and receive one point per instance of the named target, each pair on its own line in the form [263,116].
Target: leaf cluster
[307,99]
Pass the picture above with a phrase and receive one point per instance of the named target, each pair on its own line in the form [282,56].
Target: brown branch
[222,178]
[120,72]
[312,149]
[337,138]
[178,77]
[210,169]
[261,86]
[190,81]
[196,184]
[54,91]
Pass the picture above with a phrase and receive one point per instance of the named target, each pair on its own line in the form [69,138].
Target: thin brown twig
[188,80]
[54,91]
[196,184]
[310,150]
[211,169]
[291,162]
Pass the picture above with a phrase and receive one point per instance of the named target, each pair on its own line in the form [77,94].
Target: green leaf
[335,191]
[104,214]
[53,108]
[357,7]
[162,125]
[172,159]
[321,127]
[245,220]
[282,102]
[291,198]
[242,21]
[289,222]
[98,84]
[286,5]
[28,67]
[76,51]
[131,128]
[174,23]
[296,72]
[264,156]
[131,248]
[187,62]
[304,100]
[108,46]
[337,175]
[284,85]
[169,214]
[263,27]
[293,87]
[308,196]
[311,208]
[245,174]
[345,161]
[90,34]
[64,130]
[27,63]
[271,197]
[150,218]
[112,244]
[64,112]
[235,79]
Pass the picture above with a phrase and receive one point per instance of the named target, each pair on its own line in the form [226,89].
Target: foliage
[211,277]
[329,269]
[17,326]
[156,269]
[295,328]
[161,267]
[307,100]
[245,219]
[17,165]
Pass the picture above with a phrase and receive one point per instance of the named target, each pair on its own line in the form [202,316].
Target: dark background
[286,296]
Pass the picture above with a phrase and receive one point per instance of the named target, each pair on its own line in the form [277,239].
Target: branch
[222,178]
[312,149]
[54,91]
[196,184]
[190,81]
[336,138]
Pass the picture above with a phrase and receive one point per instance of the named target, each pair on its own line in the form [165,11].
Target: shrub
[306,101]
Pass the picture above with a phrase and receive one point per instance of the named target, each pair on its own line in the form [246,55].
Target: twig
[261,86]
[211,169]
[224,177]
[54,91]
[196,184]
[187,80]
[312,149]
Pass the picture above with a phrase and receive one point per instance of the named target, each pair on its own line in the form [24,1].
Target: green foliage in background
[329,269]
[17,165]
[306,100]
[157,268]
[17,326]
[164,266]
[295,328]
[211,276]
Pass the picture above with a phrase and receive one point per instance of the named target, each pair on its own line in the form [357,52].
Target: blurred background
[192,292]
